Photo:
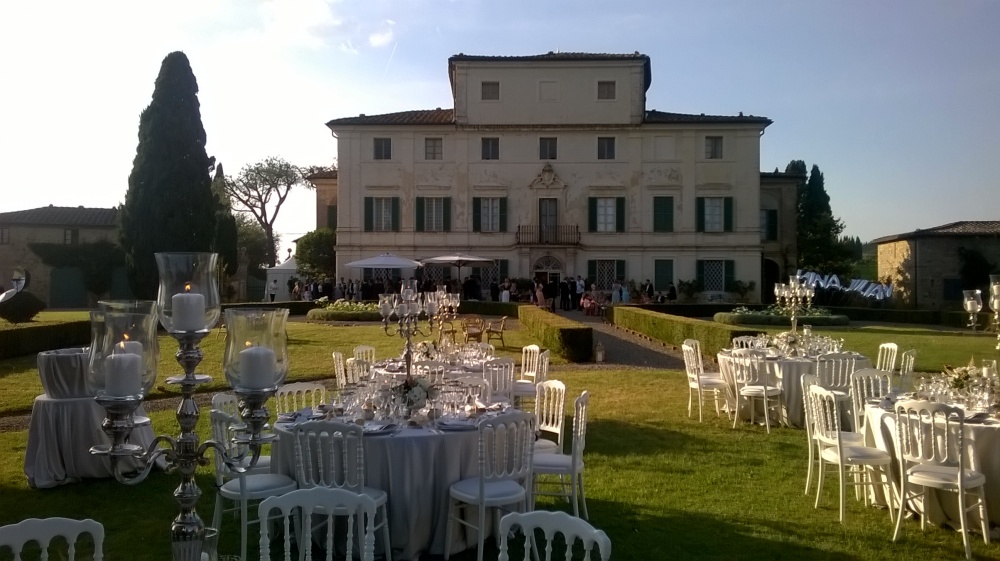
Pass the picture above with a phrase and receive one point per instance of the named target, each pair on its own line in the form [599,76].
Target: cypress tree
[169,205]
[225,227]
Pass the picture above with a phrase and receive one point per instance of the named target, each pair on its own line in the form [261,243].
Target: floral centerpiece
[425,350]
[970,377]
[415,392]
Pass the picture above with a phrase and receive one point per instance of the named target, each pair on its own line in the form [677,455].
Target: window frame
[71,236]
[714,147]
[493,142]
[382,148]
[603,145]
[489,215]
[709,225]
[607,215]
[721,264]
[382,214]
[548,148]
[769,225]
[434,214]
[483,90]
[602,87]
[433,146]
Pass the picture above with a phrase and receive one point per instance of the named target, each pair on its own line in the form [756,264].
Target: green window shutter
[503,214]
[699,214]
[730,273]
[591,214]
[727,214]
[591,273]
[446,218]
[395,214]
[772,224]
[396,274]
[331,217]
[663,274]
[620,214]
[503,266]
[663,214]
[700,273]
[620,269]
[477,214]
[369,214]
[366,274]
[419,206]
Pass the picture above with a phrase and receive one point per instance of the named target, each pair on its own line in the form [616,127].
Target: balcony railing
[547,235]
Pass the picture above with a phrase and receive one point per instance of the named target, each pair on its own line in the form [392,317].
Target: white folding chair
[239,486]
[867,384]
[550,411]
[365,353]
[228,403]
[932,455]
[331,454]
[551,523]
[44,530]
[861,461]
[433,370]
[701,383]
[299,395]
[505,450]
[566,466]
[500,374]
[305,503]
[834,373]
[339,370]
[886,361]
[753,382]
[849,438]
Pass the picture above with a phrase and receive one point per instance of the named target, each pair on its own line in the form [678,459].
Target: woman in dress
[626,294]
[616,293]
[505,291]
[539,294]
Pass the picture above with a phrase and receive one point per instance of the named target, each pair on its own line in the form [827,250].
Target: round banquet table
[415,467]
[786,373]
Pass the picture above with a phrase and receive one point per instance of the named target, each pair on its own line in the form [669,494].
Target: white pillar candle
[188,311]
[385,309]
[123,374]
[130,347]
[257,368]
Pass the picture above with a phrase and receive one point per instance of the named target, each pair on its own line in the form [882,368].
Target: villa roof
[327,174]
[447,117]
[62,216]
[964,228]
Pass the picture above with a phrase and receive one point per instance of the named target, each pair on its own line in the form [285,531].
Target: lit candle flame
[248,344]
[126,338]
[122,345]
[187,287]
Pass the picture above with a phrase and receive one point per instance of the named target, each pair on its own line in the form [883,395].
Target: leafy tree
[226,234]
[250,236]
[169,204]
[818,229]
[260,189]
[315,255]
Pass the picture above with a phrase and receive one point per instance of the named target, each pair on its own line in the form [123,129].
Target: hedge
[674,330]
[567,338]
[768,319]
[694,310]
[33,339]
[327,314]
[295,307]
[487,308]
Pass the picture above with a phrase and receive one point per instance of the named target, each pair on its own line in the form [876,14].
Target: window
[712,274]
[433,214]
[4,236]
[604,272]
[768,224]
[714,214]
[383,148]
[381,214]
[491,148]
[663,214]
[663,274]
[547,148]
[433,148]
[489,214]
[71,236]
[605,148]
[606,90]
[331,217]
[606,214]
[490,91]
[713,147]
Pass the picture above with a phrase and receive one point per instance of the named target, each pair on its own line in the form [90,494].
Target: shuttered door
[66,288]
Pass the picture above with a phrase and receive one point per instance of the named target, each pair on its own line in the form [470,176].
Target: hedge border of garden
[295,307]
[673,329]
[949,318]
[489,308]
[773,320]
[569,339]
[330,314]
[33,339]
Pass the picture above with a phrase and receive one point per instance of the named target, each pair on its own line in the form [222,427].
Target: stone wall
[925,270]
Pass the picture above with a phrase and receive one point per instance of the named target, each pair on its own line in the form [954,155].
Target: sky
[896,101]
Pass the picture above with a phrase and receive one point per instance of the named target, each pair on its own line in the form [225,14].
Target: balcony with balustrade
[533,234]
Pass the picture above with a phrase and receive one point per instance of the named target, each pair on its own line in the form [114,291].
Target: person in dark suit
[565,302]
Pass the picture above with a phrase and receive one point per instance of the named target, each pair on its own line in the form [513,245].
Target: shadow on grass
[621,351]
[619,438]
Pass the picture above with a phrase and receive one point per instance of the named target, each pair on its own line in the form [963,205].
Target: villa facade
[553,165]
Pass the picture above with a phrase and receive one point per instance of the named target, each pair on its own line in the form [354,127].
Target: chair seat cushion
[499,492]
[259,486]
[858,455]
[523,388]
[544,445]
[555,463]
[943,477]
[759,391]
[710,384]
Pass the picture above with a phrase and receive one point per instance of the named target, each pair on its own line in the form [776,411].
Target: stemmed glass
[972,301]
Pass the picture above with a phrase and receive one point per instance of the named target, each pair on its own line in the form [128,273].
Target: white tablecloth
[63,372]
[983,444]
[415,468]
[786,373]
[60,435]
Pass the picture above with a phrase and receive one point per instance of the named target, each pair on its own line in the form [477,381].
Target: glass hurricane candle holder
[972,301]
[188,297]
[123,355]
[256,358]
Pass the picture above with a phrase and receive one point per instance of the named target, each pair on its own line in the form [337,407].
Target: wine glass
[972,301]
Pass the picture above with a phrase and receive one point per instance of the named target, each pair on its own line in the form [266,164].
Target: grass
[662,486]
[47,318]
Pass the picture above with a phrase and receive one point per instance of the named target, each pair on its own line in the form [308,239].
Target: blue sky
[895,100]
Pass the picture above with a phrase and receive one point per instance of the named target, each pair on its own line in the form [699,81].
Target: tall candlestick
[257,368]
[124,374]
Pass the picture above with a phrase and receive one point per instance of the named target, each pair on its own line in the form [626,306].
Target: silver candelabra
[794,296]
[407,307]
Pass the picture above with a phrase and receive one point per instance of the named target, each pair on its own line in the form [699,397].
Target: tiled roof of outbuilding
[61,216]
[328,174]
[961,228]
[658,117]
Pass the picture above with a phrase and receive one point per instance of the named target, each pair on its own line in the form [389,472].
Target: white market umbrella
[384,261]
[459,260]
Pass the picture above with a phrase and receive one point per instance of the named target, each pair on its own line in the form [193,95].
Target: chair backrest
[542,373]
[826,415]
[868,383]
[529,362]
[746,342]
[44,530]
[808,380]
[482,384]
[580,426]
[695,344]
[887,357]
[473,322]
[692,362]
[293,397]
[573,529]
[303,504]
[494,327]
[329,454]
[750,369]
[221,433]
[506,447]
[433,370]
[906,361]
[930,432]
[357,370]
[227,403]
[486,350]
[834,370]
[365,352]
[550,408]
[500,373]
[339,369]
